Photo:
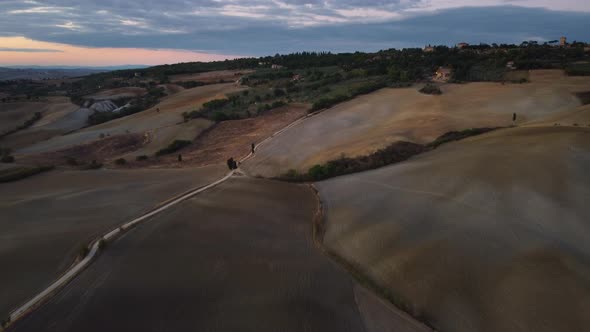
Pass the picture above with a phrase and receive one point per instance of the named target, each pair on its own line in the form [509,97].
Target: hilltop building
[443,74]
[510,65]
[563,41]
[277,67]
[462,45]
[428,49]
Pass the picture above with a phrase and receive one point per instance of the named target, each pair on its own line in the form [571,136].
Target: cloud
[69,25]
[29,50]
[39,10]
[260,27]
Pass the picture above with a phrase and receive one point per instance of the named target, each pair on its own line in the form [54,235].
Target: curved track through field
[367,303]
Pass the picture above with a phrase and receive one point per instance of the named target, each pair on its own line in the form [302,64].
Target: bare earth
[101,151]
[47,218]
[370,122]
[59,116]
[487,234]
[232,138]
[149,122]
[13,115]
[236,258]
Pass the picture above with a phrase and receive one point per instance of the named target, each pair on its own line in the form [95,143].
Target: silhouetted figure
[253,147]
[232,164]
[158,110]
[180,158]
[514,117]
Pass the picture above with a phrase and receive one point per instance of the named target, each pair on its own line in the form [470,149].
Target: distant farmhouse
[443,74]
[462,45]
[276,67]
[428,49]
[510,65]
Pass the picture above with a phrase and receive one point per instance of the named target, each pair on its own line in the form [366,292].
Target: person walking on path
[513,118]
[232,164]
[253,147]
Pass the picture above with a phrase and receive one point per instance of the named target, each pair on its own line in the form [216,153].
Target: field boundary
[393,303]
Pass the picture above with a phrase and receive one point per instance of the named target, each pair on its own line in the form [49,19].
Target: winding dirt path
[386,318]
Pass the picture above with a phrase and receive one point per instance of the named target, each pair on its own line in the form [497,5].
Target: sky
[149,32]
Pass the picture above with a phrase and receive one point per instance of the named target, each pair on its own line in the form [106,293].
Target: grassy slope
[486,234]
[370,122]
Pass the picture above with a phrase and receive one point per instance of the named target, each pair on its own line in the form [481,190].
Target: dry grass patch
[232,138]
[212,76]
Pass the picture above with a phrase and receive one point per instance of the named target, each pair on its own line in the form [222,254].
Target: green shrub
[191,84]
[173,147]
[278,104]
[5,151]
[220,116]
[121,161]
[215,104]
[458,135]
[32,120]
[18,173]
[71,161]
[582,69]
[93,165]
[328,102]
[7,159]
[584,97]
[83,252]
[431,89]
[279,92]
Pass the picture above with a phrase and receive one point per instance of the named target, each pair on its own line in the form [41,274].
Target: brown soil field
[486,234]
[59,116]
[118,93]
[47,218]
[149,121]
[239,257]
[66,118]
[162,137]
[103,150]
[212,76]
[231,138]
[13,115]
[373,121]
